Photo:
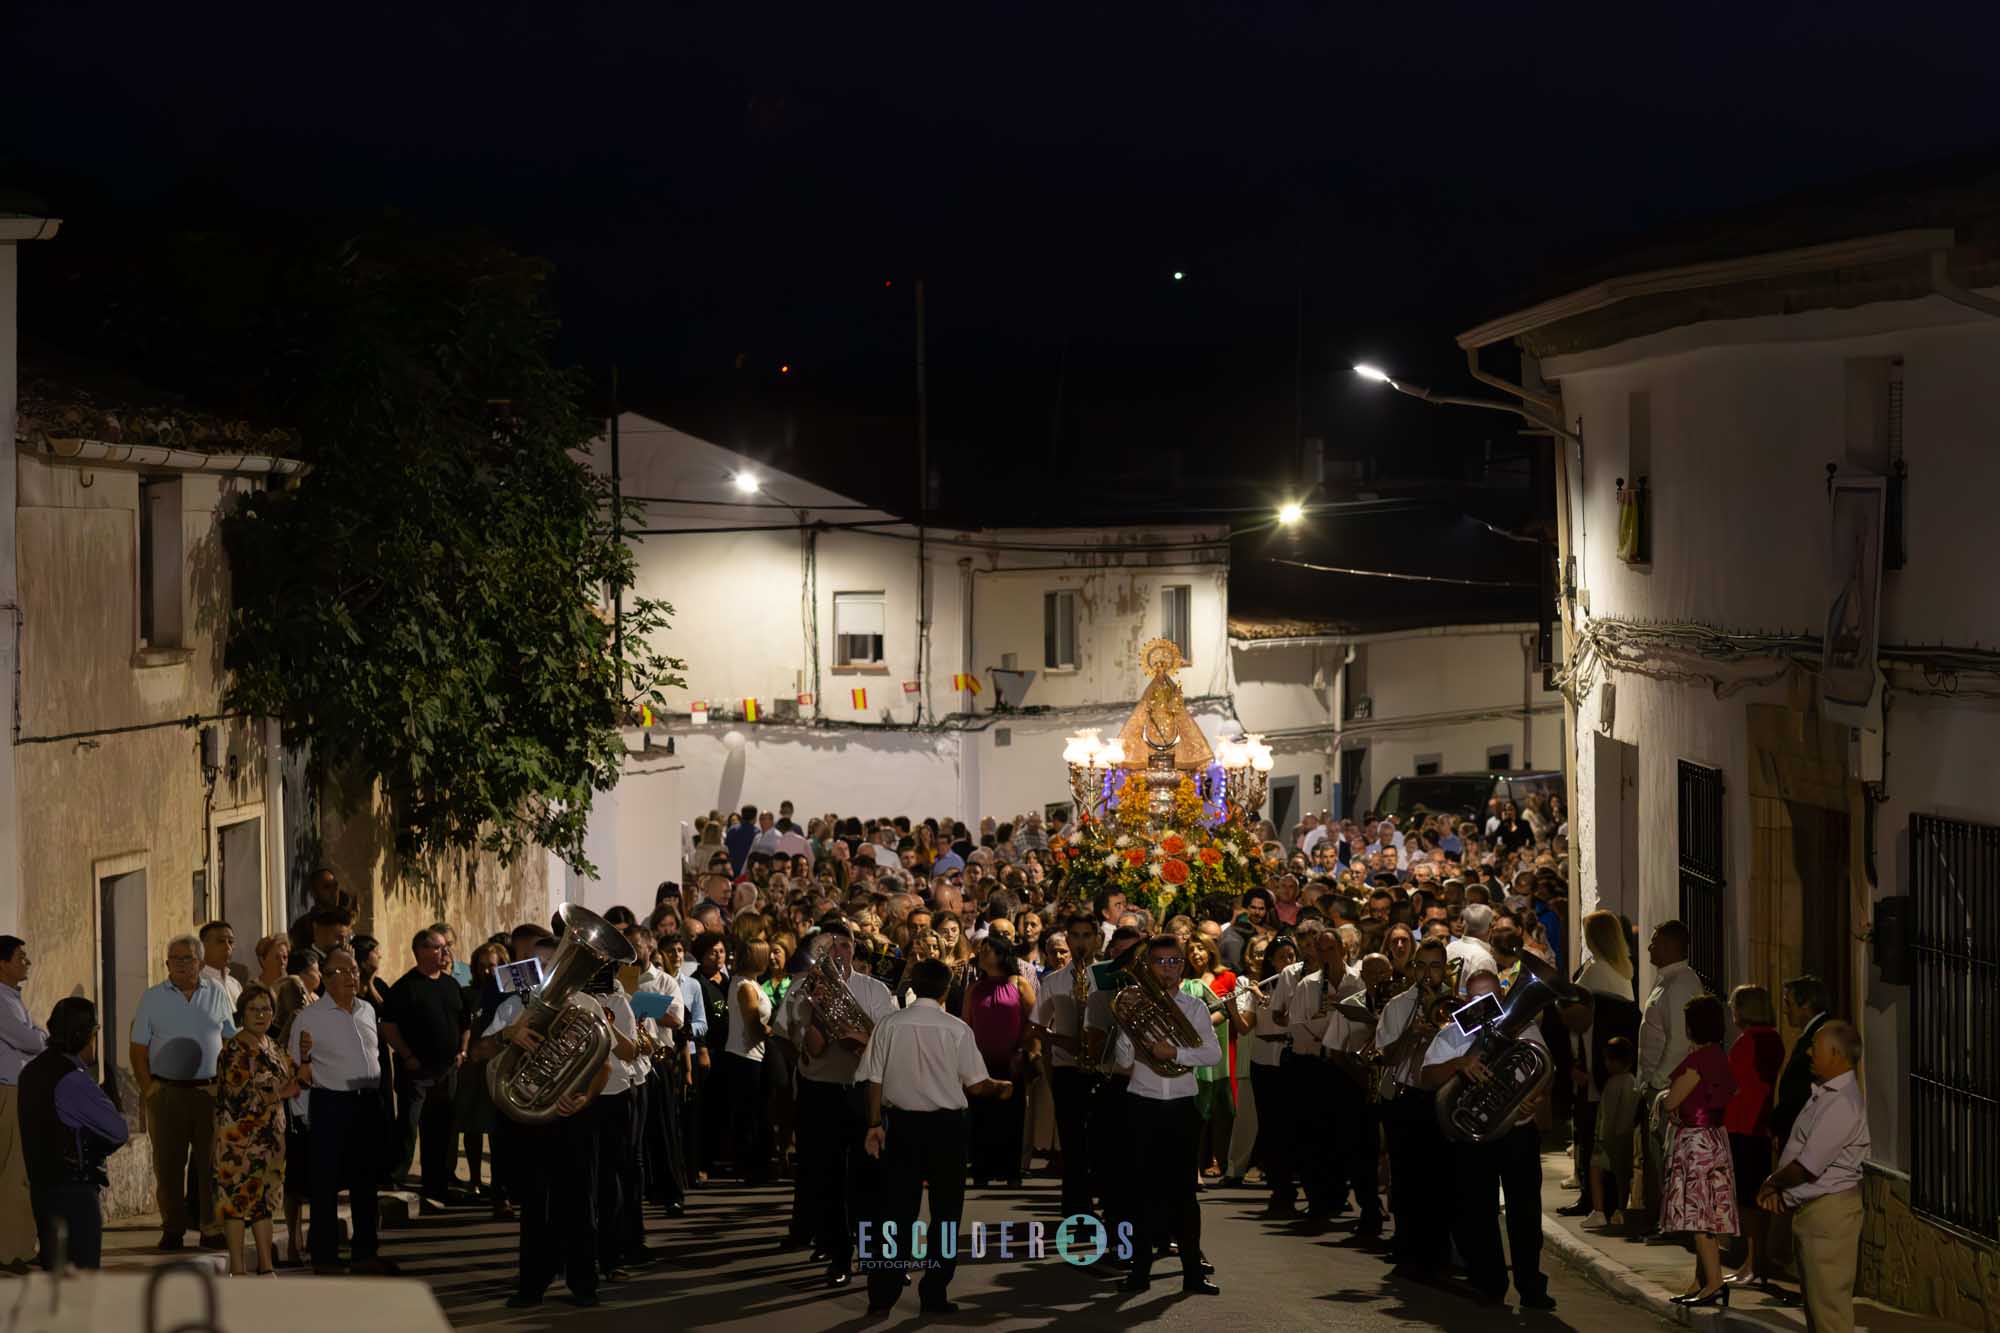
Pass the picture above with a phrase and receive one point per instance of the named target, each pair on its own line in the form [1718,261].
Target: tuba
[528,1085]
[1517,1070]
[834,1011]
[1148,1013]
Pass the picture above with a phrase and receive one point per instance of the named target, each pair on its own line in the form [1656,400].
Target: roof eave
[1881,248]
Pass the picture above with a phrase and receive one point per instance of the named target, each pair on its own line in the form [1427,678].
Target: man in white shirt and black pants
[830,1117]
[919,1066]
[1165,1126]
[1512,1162]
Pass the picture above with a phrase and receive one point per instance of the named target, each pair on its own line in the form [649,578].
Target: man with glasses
[1165,1127]
[333,1044]
[425,1023]
[177,1036]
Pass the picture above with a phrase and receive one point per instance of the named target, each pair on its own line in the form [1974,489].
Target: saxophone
[1148,1012]
[530,1085]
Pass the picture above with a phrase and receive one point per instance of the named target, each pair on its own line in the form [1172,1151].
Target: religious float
[1160,816]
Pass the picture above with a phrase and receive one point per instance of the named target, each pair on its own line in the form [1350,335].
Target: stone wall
[1908,1262]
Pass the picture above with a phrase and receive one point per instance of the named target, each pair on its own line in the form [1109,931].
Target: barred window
[1955,1024]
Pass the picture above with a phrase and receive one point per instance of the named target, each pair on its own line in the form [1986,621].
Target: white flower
[1124,840]
[1113,862]
[1157,870]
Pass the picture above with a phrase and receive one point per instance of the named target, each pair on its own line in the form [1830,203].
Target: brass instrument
[1079,992]
[1517,1070]
[834,1010]
[1148,1012]
[530,1085]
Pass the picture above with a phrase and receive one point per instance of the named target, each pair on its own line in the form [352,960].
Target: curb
[1621,1281]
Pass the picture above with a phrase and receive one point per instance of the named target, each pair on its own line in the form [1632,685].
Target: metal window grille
[1702,879]
[1955,1024]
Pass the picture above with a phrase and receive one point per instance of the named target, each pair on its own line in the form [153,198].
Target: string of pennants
[752,710]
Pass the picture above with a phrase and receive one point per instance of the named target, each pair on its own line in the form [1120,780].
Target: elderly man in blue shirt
[20,1041]
[177,1036]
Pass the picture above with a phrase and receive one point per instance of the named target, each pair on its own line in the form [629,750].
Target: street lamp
[746,482]
[1290,512]
[1376,375]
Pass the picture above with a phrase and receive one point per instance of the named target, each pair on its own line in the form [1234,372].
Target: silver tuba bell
[529,1085]
[1516,1069]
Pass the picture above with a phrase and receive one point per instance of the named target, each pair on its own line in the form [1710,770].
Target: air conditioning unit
[785,710]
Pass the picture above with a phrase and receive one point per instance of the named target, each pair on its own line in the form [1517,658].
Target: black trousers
[76,1205]
[1163,1138]
[1110,1131]
[617,1184]
[919,1148]
[1071,1090]
[424,1109]
[347,1133]
[749,1119]
[996,1135]
[1277,1131]
[1420,1193]
[1514,1162]
[1583,1124]
[555,1184]
[1336,1143]
[831,1127]
[666,1178]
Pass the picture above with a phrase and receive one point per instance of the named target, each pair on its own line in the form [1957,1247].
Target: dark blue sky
[743,179]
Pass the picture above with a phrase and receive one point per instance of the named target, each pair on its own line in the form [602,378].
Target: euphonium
[529,1085]
[1148,1012]
[833,1006]
[1517,1070]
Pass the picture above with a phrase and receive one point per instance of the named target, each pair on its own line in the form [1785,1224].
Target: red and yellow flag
[749,710]
[861,700]
[965,681]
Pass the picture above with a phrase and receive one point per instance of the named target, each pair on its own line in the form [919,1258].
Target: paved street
[721,1272]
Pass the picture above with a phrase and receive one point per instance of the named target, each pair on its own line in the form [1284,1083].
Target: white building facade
[1712,782]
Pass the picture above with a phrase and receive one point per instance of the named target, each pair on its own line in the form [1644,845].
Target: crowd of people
[970,1035]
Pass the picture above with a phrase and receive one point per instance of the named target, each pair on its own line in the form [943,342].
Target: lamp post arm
[1490,404]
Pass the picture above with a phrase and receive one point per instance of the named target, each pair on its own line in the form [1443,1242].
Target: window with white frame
[1176,605]
[857,628]
[1059,629]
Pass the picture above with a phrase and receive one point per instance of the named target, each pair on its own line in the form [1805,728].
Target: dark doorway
[1819,853]
[1353,775]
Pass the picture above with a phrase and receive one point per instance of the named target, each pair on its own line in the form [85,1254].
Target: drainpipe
[965,696]
[1528,696]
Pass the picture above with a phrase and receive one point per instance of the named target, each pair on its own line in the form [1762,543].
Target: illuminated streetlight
[1375,373]
[746,483]
[1178,275]
[1290,512]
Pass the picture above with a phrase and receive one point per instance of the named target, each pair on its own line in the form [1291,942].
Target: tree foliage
[425,606]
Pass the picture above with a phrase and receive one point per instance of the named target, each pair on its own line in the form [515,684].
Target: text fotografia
[1078,1239]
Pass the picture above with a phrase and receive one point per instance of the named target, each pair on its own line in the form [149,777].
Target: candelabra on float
[1246,773]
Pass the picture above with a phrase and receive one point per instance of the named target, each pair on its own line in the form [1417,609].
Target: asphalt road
[721,1271]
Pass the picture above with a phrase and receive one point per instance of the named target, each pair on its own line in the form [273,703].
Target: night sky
[765,181]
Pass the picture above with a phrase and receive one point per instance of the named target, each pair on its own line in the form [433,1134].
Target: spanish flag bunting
[861,699]
[645,715]
[965,681]
[749,710]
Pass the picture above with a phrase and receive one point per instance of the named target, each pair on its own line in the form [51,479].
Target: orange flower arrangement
[1210,857]
[1174,870]
[1173,844]
[1133,856]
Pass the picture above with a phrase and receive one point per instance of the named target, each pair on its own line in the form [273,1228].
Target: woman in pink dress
[1699,1193]
[997,1006]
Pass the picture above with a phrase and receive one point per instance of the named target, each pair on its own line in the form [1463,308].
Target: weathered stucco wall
[135,797]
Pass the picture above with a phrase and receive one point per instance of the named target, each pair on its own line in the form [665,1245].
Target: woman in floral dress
[253,1080]
[1699,1190]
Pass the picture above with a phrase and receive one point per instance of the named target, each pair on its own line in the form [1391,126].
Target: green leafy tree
[425,606]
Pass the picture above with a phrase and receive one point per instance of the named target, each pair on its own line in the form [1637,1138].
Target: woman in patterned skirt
[1699,1193]
[253,1080]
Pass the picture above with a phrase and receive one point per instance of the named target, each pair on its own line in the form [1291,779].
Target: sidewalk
[131,1244]
[1651,1275]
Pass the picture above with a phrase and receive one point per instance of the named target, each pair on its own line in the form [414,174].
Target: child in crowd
[1611,1162]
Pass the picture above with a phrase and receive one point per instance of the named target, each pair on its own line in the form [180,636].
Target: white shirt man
[1663,1039]
[230,985]
[924,1058]
[1830,1139]
[1056,1009]
[837,1061]
[1154,1086]
[346,1054]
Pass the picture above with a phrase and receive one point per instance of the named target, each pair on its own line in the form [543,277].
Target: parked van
[1464,794]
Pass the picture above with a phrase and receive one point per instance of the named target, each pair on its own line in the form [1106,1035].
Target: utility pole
[618,533]
[923,508]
